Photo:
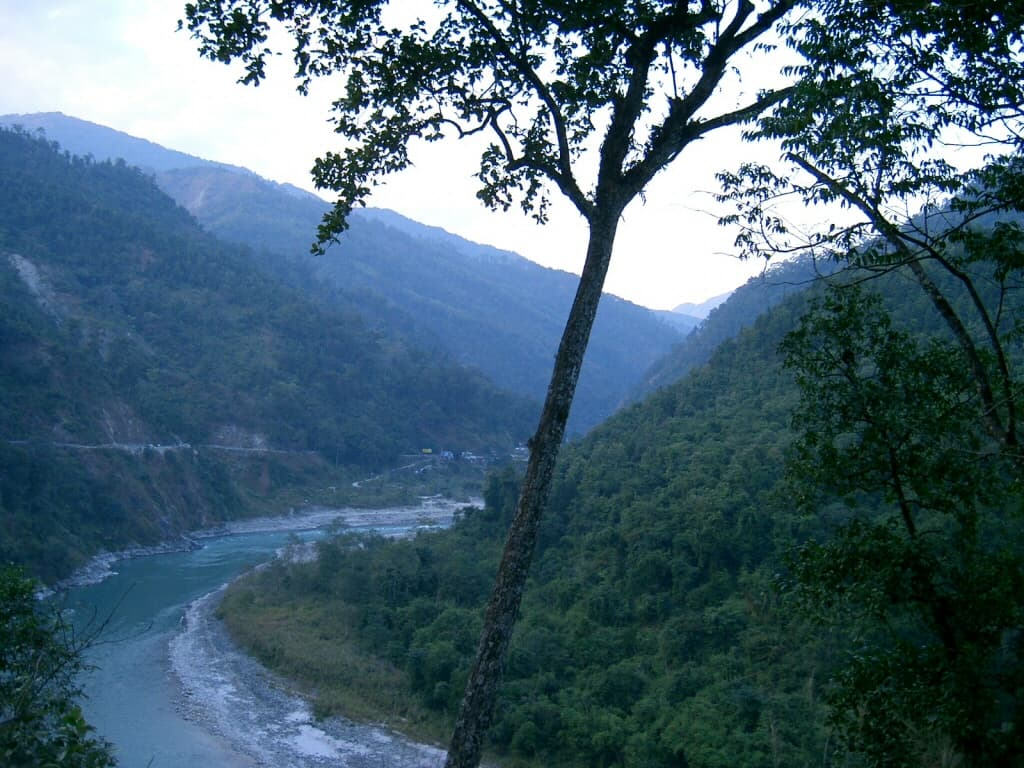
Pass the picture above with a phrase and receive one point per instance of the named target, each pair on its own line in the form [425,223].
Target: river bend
[170,690]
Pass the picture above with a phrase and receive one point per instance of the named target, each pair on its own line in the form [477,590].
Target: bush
[40,721]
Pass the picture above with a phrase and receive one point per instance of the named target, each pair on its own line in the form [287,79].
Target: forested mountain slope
[724,321]
[489,308]
[144,361]
[650,634]
[657,628]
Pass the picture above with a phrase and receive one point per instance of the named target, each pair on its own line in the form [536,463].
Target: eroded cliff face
[39,287]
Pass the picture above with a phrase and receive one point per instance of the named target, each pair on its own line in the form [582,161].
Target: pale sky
[121,63]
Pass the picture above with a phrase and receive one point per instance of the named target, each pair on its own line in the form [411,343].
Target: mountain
[487,307]
[681,321]
[686,317]
[738,309]
[152,381]
[701,310]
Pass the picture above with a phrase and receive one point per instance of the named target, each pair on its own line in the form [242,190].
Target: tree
[924,570]
[565,91]
[40,722]
[920,439]
[865,129]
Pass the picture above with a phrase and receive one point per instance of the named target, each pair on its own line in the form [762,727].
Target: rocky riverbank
[235,698]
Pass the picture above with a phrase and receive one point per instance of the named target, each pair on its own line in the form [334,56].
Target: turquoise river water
[169,690]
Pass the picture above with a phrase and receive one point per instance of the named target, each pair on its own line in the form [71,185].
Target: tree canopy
[545,82]
[925,571]
[912,121]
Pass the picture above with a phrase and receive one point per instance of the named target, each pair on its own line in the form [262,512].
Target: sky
[123,64]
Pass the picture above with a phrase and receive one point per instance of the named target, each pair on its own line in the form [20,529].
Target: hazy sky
[121,63]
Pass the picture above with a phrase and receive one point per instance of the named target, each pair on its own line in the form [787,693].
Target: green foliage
[875,399]
[199,340]
[909,446]
[926,570]
[58,508]
[873,105]
[41,725]
[482,306]
[650,631]
[487,308]
[124,326]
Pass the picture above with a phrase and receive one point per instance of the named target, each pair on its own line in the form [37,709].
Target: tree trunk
[478,701]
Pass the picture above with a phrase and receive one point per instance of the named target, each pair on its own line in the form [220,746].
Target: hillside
[488,308]
[739,310]
[650,633]
[152,381]
[662,624]
[491,309]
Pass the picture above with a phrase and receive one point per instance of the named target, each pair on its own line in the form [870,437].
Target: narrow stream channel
[168,688]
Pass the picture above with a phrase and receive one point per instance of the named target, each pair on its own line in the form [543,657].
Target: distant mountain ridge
[437,235]
[83,138]
[488,307]
[152,381]
[731,314]
[681,321]
[702,309]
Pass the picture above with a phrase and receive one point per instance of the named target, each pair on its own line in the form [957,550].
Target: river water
[168,688]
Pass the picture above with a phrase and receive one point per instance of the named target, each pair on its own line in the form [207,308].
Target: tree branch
[888,230]
[743,114]
[563,177]
[676,131]
[641,54]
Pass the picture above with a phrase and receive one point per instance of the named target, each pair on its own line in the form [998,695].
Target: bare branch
[893,236]
[563,176]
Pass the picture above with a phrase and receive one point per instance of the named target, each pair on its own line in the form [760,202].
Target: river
[168,688]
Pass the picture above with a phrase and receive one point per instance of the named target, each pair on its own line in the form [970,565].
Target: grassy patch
[311,643]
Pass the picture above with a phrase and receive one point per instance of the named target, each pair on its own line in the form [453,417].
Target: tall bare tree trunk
[477,708]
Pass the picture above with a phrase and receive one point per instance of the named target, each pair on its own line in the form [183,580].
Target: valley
[739,513]
[135,328]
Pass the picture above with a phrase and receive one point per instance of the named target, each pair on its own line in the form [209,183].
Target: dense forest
[666,621]
[485,307]
[153,381]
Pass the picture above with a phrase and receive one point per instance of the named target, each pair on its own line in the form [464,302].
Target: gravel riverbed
[233,697]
